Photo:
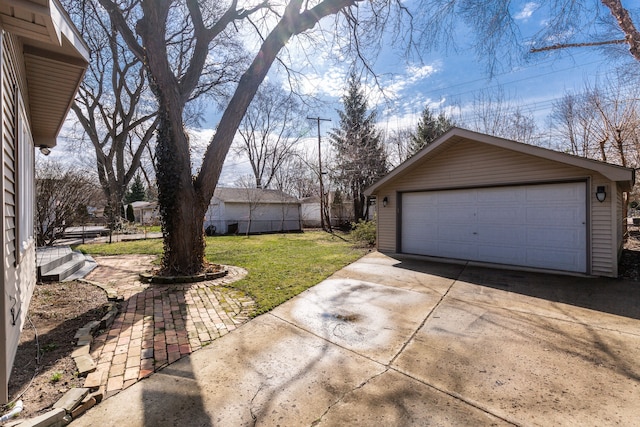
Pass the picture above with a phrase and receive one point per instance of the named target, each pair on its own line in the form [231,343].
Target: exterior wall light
[44,150]
[385,201]
[601,193]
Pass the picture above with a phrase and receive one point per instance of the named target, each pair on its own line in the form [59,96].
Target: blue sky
[450,80]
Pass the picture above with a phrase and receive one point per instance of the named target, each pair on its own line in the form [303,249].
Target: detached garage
[475,197]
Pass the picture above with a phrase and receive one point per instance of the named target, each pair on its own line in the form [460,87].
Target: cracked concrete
[404,341]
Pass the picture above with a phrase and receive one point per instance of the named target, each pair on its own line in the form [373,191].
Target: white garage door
[541,226]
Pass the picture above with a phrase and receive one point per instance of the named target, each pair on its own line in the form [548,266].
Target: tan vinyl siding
[468,164]
[603,259]
[387,222]
[621,219]
[9,81]
[475,164]
[18,278]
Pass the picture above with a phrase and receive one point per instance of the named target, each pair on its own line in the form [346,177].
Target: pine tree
[429,129]
[136,192]
[361,159]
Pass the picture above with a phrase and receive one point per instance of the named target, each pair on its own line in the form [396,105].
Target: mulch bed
[57,311]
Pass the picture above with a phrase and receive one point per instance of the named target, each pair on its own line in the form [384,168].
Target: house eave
[56,59]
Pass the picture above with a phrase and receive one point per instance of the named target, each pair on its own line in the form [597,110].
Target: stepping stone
[81,351]
[71,399]
[53,417]
[92,326]
[85,340]
[94,380]
[85,365]
[82,332]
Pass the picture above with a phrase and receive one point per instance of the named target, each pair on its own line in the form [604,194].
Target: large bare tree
[269,132]
[191,35]
[114,107]
[495,115]
[602,122]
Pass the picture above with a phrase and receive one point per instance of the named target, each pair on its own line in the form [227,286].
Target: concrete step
[50,258]
[89,265]
[65,270]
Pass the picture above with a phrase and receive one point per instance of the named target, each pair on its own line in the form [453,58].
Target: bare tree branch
[574,45]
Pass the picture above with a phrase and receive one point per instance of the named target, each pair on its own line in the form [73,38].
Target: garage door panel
[455,215]
[508,215]
[501,234]
[501,254]
[556,216]
[540,237]
[540,226]
[456,250]
[501,195]
[458,232]
[556,260]
[561,193]
[460,199]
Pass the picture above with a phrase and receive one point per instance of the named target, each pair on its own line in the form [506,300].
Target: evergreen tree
[136,192]
[429,129]
[361,158]
[131,216]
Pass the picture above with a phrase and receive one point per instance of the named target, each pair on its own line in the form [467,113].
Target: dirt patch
[57,311]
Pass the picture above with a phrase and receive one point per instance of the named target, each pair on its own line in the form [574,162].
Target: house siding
[468,164]
[19,276]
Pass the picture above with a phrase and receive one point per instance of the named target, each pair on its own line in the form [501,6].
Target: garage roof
[55,56]
[253,195]
[456,135]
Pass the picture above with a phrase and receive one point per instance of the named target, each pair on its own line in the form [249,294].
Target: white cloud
[526,11]
[412,75]
[330,83]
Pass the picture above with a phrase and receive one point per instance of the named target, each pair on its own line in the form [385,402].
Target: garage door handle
[475,232]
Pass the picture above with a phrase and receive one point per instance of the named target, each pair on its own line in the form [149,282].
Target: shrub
[364,231]
[130,214]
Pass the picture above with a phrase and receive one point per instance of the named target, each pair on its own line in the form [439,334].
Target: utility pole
[322,204]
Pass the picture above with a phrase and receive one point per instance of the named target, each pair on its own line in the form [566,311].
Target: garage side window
[25,180]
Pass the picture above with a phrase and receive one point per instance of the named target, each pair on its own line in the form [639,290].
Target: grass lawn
[280,266]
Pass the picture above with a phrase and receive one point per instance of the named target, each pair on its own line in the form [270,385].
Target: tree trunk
[182,210]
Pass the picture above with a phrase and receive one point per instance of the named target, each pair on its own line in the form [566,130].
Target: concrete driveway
[401,341]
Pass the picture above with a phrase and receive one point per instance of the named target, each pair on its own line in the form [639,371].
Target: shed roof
[246,195]
[141,204]
[56,59]
[625,176]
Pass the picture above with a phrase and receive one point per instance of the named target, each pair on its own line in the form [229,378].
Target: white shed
[236,210]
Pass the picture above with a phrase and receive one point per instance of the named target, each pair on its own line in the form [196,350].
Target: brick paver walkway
[159,324]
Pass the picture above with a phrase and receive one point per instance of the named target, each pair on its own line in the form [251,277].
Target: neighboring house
[43,62]
[145,213]
[234,210]
[341,212]
[480,198]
